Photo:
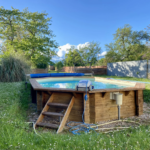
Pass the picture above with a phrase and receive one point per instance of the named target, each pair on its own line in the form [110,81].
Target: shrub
[13,69]
[41,65]
[59,66]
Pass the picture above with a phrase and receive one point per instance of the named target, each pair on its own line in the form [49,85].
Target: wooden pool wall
[98,107]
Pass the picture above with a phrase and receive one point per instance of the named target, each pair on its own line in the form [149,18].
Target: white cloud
[62,50]
[82,45]
[102,54]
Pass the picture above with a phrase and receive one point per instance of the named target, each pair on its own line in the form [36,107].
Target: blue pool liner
[42,75]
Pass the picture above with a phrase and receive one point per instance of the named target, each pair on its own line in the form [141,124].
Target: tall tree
[73,58]
[29,33]
[102,62]
[38,37]
[147,55]
[90,53]
[128,45]
[9,23]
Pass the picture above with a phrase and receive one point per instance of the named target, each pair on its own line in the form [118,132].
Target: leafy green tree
[90,53]
[28,32]
[9,27]
[38,37]
[73,58]
[128,45]
[147,54]
[59,66]
[102,62]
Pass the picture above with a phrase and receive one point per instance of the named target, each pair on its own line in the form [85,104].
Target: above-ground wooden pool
[98,107]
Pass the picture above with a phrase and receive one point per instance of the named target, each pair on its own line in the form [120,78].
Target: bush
[59,66]
[41,65]
[13,69]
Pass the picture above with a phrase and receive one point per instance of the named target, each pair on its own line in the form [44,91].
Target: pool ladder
[46,113]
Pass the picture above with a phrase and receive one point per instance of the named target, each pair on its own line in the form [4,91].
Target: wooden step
[58,105]
[49,125]
[52,114]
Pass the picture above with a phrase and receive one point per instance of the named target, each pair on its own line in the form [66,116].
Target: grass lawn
[53,71]
[15,133]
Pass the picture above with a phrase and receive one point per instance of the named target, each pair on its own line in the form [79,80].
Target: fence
[51,67]
[40,70]
[96,70]
[139,69]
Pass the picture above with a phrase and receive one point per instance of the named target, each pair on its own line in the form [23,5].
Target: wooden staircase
[45,112]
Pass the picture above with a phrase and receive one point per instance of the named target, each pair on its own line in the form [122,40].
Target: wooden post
[86,109]
[45,98]
[33,95]
[39,101]
[139,102]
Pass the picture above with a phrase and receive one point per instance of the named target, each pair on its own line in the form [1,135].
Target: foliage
[9,27]
[40,61]
[51,63]
[37,42]
[128,45]
[17,134]
[89,53]
[27,32]
[102,62]
[59,66]
[13,69]
[73,57]
[147,54]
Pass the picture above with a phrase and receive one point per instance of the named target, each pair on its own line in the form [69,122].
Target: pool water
[72,84]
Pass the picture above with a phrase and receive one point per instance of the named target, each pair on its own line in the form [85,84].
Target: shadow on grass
[25,97]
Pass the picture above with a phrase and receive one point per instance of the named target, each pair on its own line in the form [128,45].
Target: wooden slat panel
[44,109]
[39,101]
[66,115]
[52,114]
[106,109]
[49,125]
[92,108]
[77,109]
[58,105]
[45,98]
[139,102]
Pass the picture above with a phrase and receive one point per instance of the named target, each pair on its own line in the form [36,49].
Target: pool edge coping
[37,86]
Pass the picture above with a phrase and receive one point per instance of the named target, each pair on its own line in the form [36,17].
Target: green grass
[53,71]
[15,133]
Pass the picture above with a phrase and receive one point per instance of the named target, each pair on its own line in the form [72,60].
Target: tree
[73,58]
[90,53]
[102,62]
[129,45]
[9,23]
[59,66]
[29,33]
[147,55]
[38,38]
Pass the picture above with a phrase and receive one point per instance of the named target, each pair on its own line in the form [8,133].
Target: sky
[78,22]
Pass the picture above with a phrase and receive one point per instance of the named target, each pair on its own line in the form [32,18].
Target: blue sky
[77,22]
